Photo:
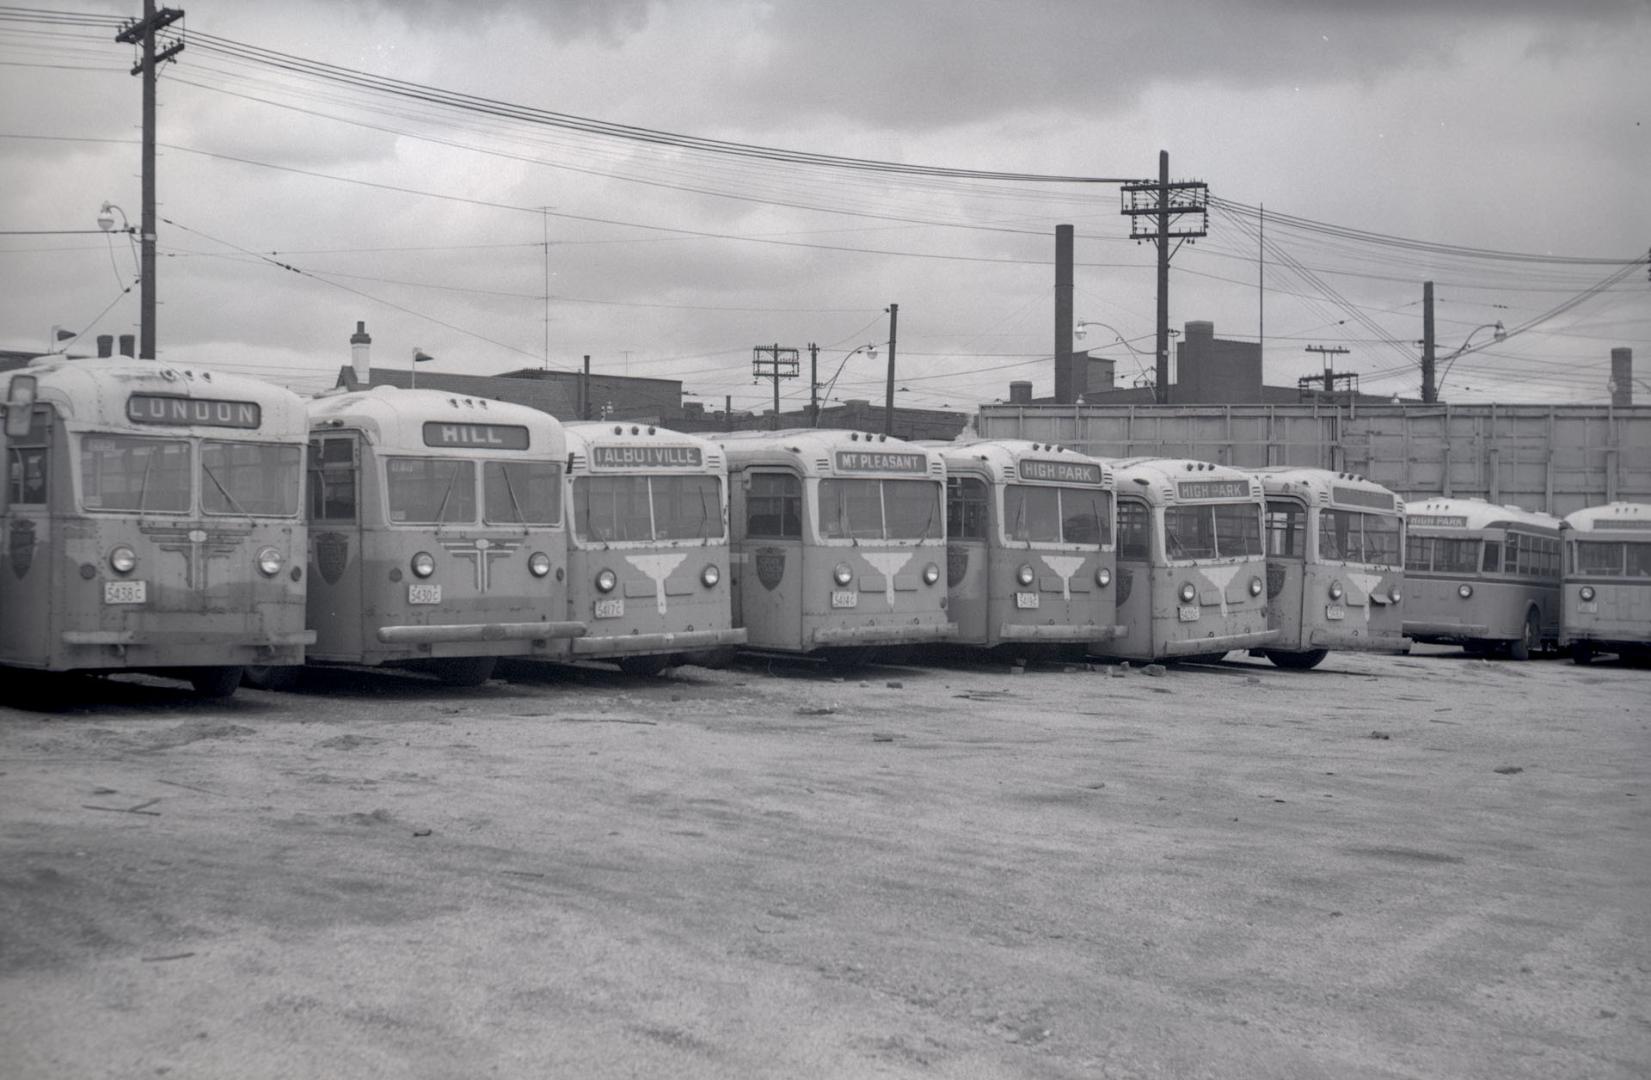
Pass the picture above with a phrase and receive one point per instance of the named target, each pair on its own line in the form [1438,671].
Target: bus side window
[1133,540]
[1493,556]
[774,506]
[966,508]
[332,479]
[1639,559]
[27,466]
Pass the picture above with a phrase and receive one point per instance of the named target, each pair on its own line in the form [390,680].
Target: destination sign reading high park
[1064,472]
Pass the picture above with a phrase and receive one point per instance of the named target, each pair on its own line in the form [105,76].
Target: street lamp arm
[1499,334]
[869,349]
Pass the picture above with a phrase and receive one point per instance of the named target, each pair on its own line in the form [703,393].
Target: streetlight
[871,354]
[1081,331]
[1498,334]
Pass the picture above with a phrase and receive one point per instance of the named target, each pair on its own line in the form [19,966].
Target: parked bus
[152,523]
[1607,588]
[1335,565]
[436,537]
[1191,567]
[1482,576]
[647,546]
[839,542]
[1030,556]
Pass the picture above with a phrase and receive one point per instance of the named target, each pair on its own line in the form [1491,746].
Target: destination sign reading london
[882,462]
[183,411]
[1438,521]
[645,457]
[1065,472]
[475,436]
[1213,489]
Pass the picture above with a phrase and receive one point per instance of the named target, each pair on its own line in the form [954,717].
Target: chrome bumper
[1454,630]
[469,633]
[1347,641]
[829,636]
[1027,632]
[668,642]
[1225,643]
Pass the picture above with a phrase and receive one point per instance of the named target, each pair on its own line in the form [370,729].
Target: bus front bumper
[187,637]
[1453,631]
[1375,642]
[469,633]
[834,636]
[1226,643]
[665,642]
[1077,634]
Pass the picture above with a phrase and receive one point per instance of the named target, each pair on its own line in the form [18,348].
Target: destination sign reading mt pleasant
[885,461]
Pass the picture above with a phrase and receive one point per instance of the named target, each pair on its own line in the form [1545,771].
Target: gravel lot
[1423,866]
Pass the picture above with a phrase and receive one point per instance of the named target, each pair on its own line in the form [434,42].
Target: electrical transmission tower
[1160,211]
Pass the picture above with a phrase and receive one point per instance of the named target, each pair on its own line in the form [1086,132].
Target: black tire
[1529,642]
[1297,661]
[1582,654]
[463,670]
[214,682]
[850,657]
[645,667]
[277,677]
[1479,648]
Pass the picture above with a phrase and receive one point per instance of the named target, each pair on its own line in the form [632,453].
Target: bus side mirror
[20,405]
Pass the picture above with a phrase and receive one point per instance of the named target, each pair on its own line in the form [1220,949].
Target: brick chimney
[360,355]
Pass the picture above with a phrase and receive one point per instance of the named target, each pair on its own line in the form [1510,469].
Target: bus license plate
[611,609]
[1586,607]
[1188,613]
[1335,611]
[125,592]
[1026,600]
[423,593]
[844,598]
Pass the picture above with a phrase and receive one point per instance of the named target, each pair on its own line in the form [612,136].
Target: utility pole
[778,364]
[143,35]
[888,395]
[1430,391]
[813,385]
[1155,211]
[1327,351]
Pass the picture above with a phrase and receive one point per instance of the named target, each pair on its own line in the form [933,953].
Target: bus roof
[99,391]
[1001,459]
[1616,518]
[821,452]
[584,439]
[1166,480]
[1326,487]
[420,419]
[1473,514]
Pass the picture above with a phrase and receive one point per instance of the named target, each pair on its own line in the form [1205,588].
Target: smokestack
[1070,383]
[128,345]
[1622,376]
[1020,392]
[361,362]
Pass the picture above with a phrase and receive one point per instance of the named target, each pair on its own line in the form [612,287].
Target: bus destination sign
[1347,496]
[1437,521]
[475,436]
[1213,489]
[1062,472]
[646,457]
[882,461]
[175,411]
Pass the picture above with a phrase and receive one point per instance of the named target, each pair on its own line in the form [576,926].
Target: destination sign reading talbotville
[1213,489]
[183,411]
[881,461]
[478,436]
[645,457]
[1065,472]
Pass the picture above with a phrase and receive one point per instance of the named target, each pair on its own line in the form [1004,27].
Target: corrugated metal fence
[1556,458]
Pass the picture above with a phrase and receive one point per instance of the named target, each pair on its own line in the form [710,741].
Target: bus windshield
[1214,531]
[1443,554]
[135,473]
[521,492]
[1613,558]
[880,510]
[251,479]
[1052,515]
[431,491]
[647,508]
[1351,536]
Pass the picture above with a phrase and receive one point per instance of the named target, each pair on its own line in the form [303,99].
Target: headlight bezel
[710,575]
[122,559]
[842,575]
[606,580]
[1024,575]
[539,564]
[422,564]
[1187,592]
[269,561]
[931,574]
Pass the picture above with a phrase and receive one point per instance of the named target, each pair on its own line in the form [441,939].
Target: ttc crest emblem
[957,562]
[1126,579]
[770,567]
[332,555]
[21,549]
[1275,579]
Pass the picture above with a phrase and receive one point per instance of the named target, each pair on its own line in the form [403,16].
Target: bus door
[768,579]
[1134,581]
[1286,570]
[26,607]
[968,558]
[336,590]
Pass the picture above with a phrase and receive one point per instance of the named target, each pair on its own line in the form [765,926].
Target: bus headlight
[1024,575]
[1464,590]
[931,574]
[709,576]
[423,564]
[123,560]
[1188,593]
[1336,590]
[606,580]
[1395,594]
[1586,592]
[1255,586]
[842,574]
[270,561]
[1103,577]
[538,564]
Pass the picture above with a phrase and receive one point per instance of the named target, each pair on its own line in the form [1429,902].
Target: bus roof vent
[823,464]
[576,462]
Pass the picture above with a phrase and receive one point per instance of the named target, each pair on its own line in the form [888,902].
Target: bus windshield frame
[1049,514]
[855,508]
[1213,530]
[648,508]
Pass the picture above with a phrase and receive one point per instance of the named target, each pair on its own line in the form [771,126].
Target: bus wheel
[276,677]
[645,667]
[214,682]
[1582,654]
[1297,661]
[463,670]
[850,657]
[1528,642]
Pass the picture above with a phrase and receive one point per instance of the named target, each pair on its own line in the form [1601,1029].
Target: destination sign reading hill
[645,457]
[881,461]
[184,411]
[1063,472]
[476,436]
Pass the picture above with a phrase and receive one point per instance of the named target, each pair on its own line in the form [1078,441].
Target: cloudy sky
[519,183]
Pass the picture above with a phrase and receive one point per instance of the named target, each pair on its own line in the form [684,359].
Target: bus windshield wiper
[441,510]
[212,476]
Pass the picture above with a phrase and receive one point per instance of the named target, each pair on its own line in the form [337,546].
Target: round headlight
[1103,577]
[1464,590]
[606,580]
[1188,593]
[1255,586]
[931,574]
[424,564]
[1395,594]
[1586,592]
[1024,575]
[123,560]
[842,574]
[270,561]
[538,564]
[709,576]
[1335,590]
